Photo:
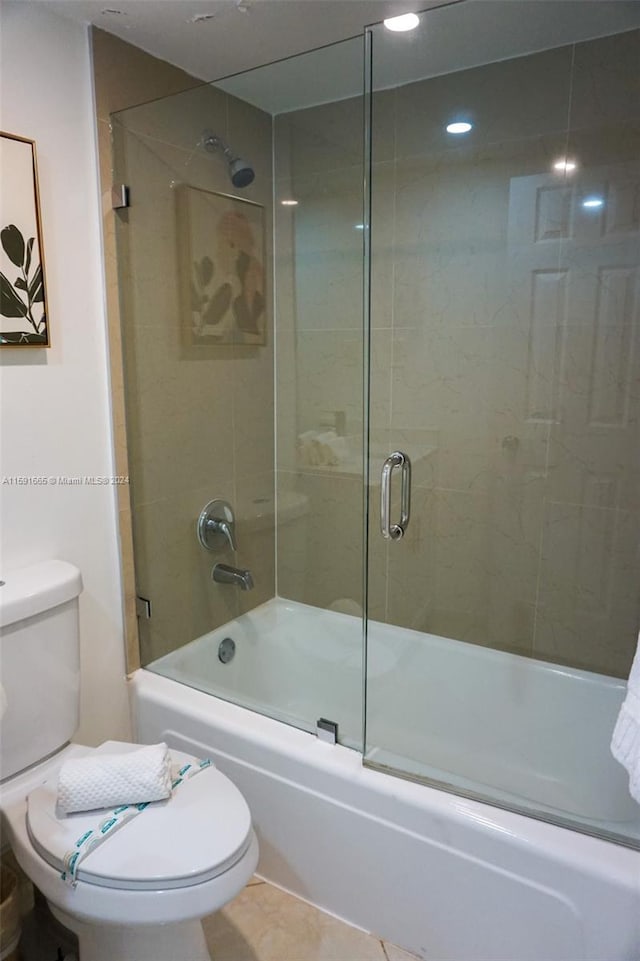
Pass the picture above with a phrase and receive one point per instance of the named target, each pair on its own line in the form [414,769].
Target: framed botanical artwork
[23,304]
[221,255]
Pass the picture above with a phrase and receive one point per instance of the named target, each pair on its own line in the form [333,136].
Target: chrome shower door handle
[395,531]
[405,494]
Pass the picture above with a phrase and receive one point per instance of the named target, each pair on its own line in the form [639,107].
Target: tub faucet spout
[225,574]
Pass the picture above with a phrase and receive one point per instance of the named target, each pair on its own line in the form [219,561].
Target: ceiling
[214,39]
[237,34]
[456,37]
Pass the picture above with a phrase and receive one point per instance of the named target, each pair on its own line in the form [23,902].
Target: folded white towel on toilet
[625,743]
[107,780]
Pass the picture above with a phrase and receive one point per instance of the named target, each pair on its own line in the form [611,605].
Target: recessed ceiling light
[564,165]
[289,203]
[201,17]
[112,12]
[593,202]
[358,226]
[459,126]
[406,21]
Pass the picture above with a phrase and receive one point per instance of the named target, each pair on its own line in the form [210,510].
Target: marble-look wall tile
[330,372]
[411,567]
[256,530]
[325,137]
[527,401]
[593,444]
[383,243]
[285,262]
[378,566]
[516,503]
[502,333]
[508,100]
[440,383]
[199,417]
[123,75]
[295,561]
[180,120]
[286,398]
[383,124]
[588,604]
[174,573]
[320,355]
[462,532]
[253,407]
[181,424]
[250,132]
[334,569]
[328,250]
[380,380]
[126,75]
[516,442]
[605,82]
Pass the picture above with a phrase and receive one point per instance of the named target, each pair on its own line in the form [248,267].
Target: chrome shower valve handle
[216,526]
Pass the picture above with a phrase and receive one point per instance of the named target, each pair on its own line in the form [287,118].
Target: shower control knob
[216,526]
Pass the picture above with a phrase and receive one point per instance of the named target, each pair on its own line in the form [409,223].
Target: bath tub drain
[226,650]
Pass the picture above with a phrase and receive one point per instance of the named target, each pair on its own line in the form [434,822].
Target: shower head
[241,173]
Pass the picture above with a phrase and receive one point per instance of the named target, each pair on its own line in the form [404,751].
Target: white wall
[55,403]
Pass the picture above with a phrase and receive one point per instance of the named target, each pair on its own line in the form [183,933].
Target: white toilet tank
[39,662]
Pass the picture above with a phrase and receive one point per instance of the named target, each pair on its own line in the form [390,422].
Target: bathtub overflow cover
[226,650]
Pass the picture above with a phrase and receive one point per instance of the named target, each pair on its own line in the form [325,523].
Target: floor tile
[265,924]
[395,953]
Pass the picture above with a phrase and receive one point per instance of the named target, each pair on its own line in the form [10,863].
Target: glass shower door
[242,339]
[503,601]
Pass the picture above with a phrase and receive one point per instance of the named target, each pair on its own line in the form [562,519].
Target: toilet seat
[197,834]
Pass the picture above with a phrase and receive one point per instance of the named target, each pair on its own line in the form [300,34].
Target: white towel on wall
[625,743]
[107,780]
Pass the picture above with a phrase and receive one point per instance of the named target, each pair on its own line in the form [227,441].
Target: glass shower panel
[242,342]
[198,390]
[318,162]
[505,257]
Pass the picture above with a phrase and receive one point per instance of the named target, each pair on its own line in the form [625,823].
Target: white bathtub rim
[585,853]
[559,716]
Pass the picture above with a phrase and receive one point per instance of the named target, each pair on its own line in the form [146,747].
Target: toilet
[140,895]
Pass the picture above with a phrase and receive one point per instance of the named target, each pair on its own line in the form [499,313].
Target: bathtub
[443,875]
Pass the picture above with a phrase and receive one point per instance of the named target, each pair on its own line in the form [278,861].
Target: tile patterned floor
[265,924]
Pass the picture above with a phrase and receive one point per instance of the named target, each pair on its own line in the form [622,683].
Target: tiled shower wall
[123,76]
[504,354]
[199,418]
[318,162]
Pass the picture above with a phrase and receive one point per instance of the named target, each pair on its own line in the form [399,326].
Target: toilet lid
[198,833]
